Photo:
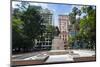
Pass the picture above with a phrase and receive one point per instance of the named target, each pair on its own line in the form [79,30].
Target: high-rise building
[45,44]
[64,23]
[47,15]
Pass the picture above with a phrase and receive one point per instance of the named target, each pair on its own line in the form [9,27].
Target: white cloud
[77,16]
[15,3]
[78,6]
[65,13]
[44,5]
[36,4]
[39,4]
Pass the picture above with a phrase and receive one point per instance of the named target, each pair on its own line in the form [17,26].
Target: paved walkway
[84,53]
[76,55]
[69,57]
[59,58]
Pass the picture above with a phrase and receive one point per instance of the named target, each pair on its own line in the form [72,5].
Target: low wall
[84,59]
[28,62]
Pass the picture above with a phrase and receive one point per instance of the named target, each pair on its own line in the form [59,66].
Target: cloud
[65,13]
[44,5]
[78,6]
[36,4]
[14,3]
[39,4]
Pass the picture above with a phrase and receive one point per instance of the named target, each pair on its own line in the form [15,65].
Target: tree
[32,22]
[88,27]
[16,30]
[75,21]
[85,26]
[71,41]
[26,26]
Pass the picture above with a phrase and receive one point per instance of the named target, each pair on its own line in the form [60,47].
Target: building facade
[64,23]
[46,42]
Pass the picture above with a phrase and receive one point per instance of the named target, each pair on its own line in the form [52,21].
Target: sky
[57,9]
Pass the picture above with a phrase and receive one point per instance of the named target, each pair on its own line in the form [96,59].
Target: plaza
[56,56]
